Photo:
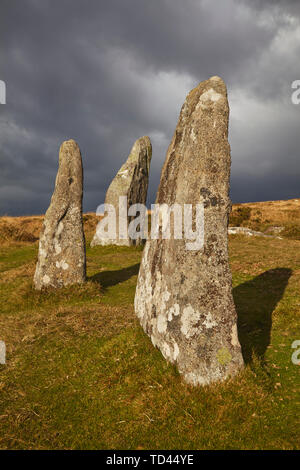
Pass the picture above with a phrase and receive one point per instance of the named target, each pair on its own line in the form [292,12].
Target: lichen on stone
[131,182]
[61,257]
[224,356]
[184,298]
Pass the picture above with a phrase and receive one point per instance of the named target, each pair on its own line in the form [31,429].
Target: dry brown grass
[272,213]
[14,230]
[27,229]
[90,221]
[20,229]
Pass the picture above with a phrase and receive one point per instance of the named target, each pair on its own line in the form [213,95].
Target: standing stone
[131,181]
[61,258]
[184,298]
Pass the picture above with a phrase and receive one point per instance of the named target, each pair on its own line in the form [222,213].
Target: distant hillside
[27,228]
[270,217]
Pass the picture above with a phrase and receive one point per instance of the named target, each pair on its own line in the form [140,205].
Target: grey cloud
[108,72]
[286,5]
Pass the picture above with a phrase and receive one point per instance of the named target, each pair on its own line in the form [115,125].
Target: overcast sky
[106,72]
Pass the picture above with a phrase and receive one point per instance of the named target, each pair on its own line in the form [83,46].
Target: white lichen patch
[46,279]
[209,322]
[185,110]
[166,295]
[176,351]
[204,376]
[161,323]
[123,173]
[75,210]
[210,95]
[60,228]
[153,340]
[57,248]
[42,253]
[143,289]
[190,319]
[169,351]
[62,265]
[166,351]
[193,135]
[173,311]
[42,259]
[208,98]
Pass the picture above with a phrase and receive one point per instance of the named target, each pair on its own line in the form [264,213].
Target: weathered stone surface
[131,181]
[184,298]
[61,258]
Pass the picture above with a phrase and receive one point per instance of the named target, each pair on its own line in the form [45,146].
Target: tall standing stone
[184,298]
[131,182]
[61,258]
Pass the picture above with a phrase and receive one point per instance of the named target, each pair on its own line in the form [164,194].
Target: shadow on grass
[112,278]
[255,302]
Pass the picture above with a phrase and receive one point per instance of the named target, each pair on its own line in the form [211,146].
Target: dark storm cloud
[285,5]
[108,72]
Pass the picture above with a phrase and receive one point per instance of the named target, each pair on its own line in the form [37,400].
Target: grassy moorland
[81,373]
[269,216]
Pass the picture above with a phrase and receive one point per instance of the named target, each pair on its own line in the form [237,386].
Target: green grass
[81,373]
[113,267]
[13,257]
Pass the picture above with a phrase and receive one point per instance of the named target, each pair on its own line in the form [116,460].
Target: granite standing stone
[184,298]
[131,181]
[61,257]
